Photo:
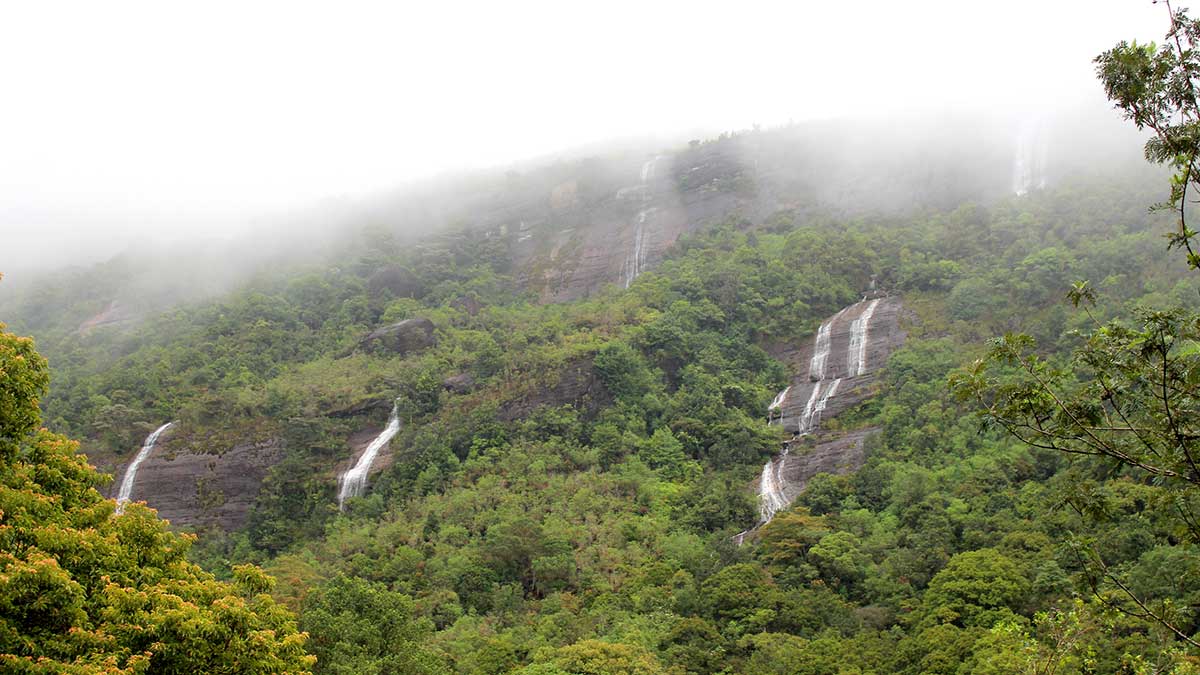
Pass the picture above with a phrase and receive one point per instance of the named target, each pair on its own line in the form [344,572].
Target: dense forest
[564,490]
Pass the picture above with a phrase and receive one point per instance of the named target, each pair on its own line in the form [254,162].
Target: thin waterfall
[815,417]
[816,366]
[126,490]
[1029,159]
[856,357]
[635,262]
[771,492]
[806,416]
[777,406]
[353,483]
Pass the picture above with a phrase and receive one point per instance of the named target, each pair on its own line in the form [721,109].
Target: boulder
[462,383]
[410,335]
[577,385]
[467,304]
[401,282]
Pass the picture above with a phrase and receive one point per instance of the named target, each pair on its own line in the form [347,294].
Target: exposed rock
[883,337]
[832,453]
[115,313]
[400,281]
[565,195]
[467,304]
[199,489]
[357,443]
[462,383]
[408,336]
[578,385]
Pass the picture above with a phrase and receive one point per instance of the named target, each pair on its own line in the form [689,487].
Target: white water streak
[126,490]
[816,366]
[771,497]
[1029,160]
[353,483]
[806,416]
[856,357]
[635,262]
[777,406]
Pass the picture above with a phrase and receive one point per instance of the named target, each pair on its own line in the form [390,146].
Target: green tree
[361,627]
[976,588]
[84,591]
[593,657]
[1127,397]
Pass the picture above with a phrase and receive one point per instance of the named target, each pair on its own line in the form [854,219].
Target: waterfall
[635,262]
[777,405]
[816,366]
[353,483]
[812,412]
[1029,161]
[770,492]
[126,490]
[856,358]
[771,484]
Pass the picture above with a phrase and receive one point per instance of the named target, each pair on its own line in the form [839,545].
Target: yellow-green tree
[84,591]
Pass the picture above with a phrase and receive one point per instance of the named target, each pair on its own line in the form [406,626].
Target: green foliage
[85,591]
[361,627]
[568,507]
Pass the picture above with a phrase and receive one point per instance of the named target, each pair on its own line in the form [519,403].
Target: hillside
[674,411]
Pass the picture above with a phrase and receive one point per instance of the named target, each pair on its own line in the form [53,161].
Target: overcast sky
[120,118]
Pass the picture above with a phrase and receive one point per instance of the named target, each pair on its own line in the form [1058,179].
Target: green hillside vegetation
[1027,505]
[595,537]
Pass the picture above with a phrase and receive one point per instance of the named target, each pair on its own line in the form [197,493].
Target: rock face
[833,453]
[835,370]
[408,336]
[613,239]
[201,490]
[578,385]
[462,383]
[115,313]
[854,370]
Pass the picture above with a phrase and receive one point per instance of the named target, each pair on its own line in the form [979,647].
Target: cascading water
[816,406]
[126,490]
[772,498]
[816,366]
[771,492]
[856,358]
[353,483]
[635,262]
[776,406]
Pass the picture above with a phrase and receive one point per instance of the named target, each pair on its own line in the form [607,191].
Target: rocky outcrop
[193,489]
[463,383]
[402,283]
[468,304]
[116,313]
[405,337]
[838,453]
[883,336]
[578,385]
[836,369]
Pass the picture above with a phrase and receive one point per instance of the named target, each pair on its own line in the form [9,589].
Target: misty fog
[134,126]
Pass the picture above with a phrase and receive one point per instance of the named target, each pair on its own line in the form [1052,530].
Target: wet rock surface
[838,453]
[883,336]
[202,490]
